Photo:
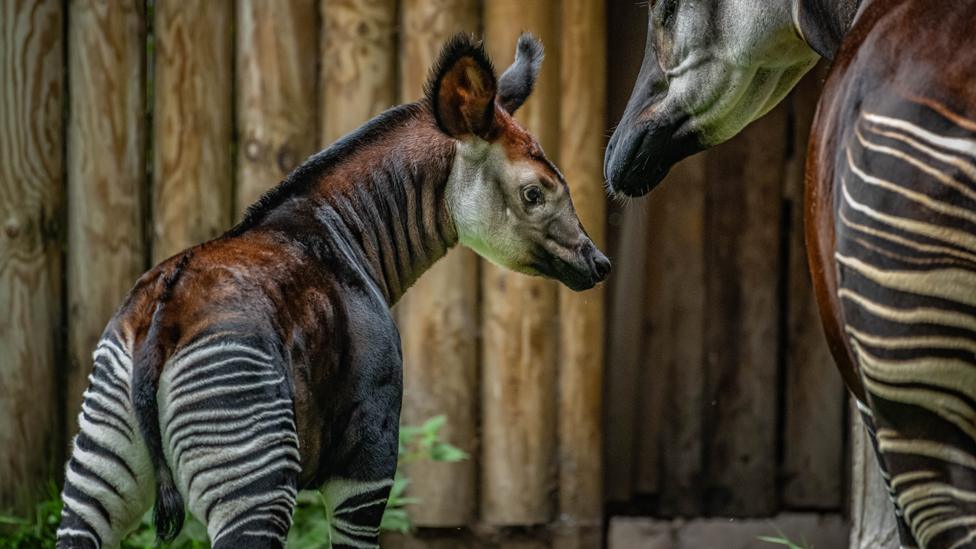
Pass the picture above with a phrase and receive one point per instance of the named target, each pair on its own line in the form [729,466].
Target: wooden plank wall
[192,117]
[277,103]
[519,323]
[31,232]
[106,166]
[721,396]
[439,315]
[581,330]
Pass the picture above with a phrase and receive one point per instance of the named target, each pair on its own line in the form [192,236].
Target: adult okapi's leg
[906,263]
[228,429]
[905,536]
[824,230]
[108,480]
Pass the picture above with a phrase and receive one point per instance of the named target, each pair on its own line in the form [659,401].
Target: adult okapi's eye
[531,195]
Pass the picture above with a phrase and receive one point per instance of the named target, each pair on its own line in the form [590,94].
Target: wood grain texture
[813,422]
[277,100]
[670,437]
[192,171]
[439,316]
[106,168]
[520,325]
[358,63]
[628,229]
[31,227]
[743,213]
[626,345]
[581,315]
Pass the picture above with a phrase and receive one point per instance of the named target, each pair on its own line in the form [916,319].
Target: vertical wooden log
[872,515]
[520,329]
[192,123]
[581,325]
[671,389]
[625,351]
[439,315]
[277,61]
[358,63]
[743,212]
[106,175]
[628,21]
[31,101]
[813,436]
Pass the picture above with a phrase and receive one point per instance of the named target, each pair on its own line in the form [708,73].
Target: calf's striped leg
[108,479]
[228,428]
[356,510]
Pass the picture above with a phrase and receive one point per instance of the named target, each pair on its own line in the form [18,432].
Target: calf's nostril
[601,265]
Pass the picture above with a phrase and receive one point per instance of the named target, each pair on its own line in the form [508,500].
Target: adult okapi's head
[508,201]
[710,68]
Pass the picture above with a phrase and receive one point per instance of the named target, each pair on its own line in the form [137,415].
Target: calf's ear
[517,82]
[461,89]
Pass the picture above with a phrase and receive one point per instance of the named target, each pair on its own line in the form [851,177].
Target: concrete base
[809,530]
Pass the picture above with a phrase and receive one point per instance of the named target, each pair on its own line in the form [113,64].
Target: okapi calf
[267,360]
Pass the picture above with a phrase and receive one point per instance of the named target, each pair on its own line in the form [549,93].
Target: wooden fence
[130,130]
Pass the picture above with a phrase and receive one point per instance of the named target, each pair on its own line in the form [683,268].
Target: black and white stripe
[228,428]
[906,255]
[108,479]
[356,509]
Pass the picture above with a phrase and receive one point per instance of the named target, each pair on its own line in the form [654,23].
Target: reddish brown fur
[221,275]
[883,52]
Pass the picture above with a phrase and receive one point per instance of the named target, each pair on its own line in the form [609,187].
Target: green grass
[781,539]
[310,527]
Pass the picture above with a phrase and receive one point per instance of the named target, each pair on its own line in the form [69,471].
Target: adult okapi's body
[890,204]
[267,360]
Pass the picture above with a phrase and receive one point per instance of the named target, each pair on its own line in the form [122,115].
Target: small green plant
[781,539]
[310,526]
[36,532]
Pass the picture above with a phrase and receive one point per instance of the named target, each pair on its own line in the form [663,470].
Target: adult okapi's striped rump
[906,254]
[267,360]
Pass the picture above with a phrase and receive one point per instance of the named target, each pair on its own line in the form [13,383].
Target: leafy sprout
[781,539]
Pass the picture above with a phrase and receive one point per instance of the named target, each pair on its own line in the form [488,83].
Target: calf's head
[508,201]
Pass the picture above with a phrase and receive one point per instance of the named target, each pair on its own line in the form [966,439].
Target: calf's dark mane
[378,193]
[311,172]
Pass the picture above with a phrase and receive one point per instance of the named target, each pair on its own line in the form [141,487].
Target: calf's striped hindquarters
[108,482]
[267,360]
[228,427]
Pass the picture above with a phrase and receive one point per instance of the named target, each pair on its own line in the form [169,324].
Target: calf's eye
[532,195]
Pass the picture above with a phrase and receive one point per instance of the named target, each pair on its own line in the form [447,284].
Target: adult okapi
[890,204]
[267,360]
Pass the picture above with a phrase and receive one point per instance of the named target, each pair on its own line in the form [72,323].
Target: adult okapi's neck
[823,23]
[377,194]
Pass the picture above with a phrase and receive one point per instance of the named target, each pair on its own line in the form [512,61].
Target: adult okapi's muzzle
[641,153]
[652,136]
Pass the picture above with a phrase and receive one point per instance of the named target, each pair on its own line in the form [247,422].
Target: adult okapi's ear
[516,83]
[461,89]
